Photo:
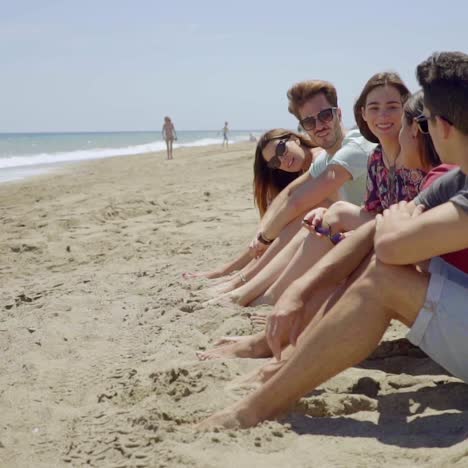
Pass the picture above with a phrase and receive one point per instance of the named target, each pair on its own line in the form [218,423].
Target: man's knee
[386,281]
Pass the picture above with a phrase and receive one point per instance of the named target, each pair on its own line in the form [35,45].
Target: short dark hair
[375,81]
[301,92]
[444,80]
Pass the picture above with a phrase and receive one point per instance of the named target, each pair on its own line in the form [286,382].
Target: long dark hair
[267,183]
[413,108]
[379,79]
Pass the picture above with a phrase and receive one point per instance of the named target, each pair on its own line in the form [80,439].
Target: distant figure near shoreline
[225,135]
[169,134]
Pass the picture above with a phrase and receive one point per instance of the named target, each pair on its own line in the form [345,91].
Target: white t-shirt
[353,156]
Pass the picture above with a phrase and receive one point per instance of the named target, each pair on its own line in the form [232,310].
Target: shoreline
[24,173]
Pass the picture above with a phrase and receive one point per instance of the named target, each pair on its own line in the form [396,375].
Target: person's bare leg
[313,248]
[345,217]
[257,285]
[254,268]
[286,235]
[256,346]
[315,312]
[348,333]
[240,262]
[251,346]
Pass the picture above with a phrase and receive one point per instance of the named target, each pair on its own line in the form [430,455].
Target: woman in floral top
[386,186]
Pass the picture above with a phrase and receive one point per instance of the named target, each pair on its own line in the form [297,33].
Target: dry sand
[98,333]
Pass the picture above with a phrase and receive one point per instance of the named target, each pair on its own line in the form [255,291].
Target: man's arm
[402,239]
[302,194]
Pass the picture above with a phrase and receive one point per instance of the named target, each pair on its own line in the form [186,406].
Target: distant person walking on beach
[169,134]
[225,135]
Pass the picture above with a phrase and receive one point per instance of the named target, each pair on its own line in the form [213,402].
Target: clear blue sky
[123,65]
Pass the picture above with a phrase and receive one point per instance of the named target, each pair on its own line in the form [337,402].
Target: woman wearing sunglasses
[281,156]
[414,155]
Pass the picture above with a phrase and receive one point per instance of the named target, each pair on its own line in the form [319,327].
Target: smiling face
[383,111]
[325,134]
[293,159]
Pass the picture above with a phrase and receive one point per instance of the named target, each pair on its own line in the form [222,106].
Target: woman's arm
[238,263]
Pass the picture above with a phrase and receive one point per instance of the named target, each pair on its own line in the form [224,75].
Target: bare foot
[201,274]
[224,419]
[223,287]
[224,300]
[258,318]
[258,376]
[229,418]
[252,346]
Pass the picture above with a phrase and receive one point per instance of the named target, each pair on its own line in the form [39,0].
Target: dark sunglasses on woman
[325,116]
[280,151]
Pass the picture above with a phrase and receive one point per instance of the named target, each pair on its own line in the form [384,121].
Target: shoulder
[355,146]
[436,173]
[354,139]
[443,188]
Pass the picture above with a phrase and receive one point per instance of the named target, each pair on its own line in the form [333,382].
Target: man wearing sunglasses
[341,168]
[387,286]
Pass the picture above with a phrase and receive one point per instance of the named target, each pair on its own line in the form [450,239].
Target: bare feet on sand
[258,318]
[236,347]
[258,376]
[230,418]
[224,300]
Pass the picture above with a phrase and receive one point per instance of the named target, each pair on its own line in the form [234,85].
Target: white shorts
[441,327]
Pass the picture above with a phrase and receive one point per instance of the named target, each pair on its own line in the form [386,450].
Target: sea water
[26,154]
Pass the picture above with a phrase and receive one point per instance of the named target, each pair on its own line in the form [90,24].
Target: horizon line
[122,131]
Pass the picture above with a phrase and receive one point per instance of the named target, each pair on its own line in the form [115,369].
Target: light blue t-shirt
[353,156]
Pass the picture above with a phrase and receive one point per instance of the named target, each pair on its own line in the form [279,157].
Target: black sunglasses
[280,151]
[325,116]
[423,124]
[422,121]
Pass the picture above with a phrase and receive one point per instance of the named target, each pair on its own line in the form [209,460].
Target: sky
[116,65]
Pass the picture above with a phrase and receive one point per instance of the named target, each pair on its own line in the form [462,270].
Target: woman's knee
[337,214]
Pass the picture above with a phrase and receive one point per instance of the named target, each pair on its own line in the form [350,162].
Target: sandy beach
[98,333]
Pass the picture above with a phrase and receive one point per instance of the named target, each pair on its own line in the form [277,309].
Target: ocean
[26,154]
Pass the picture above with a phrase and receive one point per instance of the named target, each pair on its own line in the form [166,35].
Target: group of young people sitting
[358,228]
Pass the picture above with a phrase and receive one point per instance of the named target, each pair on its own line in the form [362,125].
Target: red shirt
[458,259]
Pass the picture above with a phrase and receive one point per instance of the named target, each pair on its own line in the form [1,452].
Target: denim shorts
[441,327]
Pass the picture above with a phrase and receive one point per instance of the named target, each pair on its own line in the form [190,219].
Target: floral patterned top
[388,186]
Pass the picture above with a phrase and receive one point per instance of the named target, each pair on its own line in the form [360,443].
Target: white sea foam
[100,153]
